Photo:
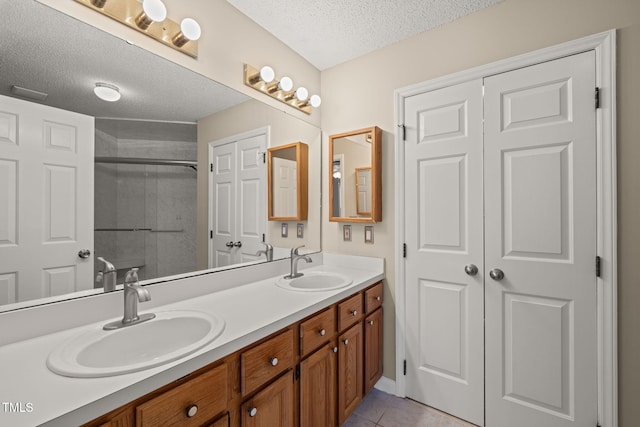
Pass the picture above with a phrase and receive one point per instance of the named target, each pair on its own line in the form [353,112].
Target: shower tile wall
[105,197]
[148,196]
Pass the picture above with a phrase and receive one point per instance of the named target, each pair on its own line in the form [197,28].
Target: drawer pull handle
[377,298]
[322,332]
[335,349]
[191,411]
[371,322]
[273,361]
[346,341]
[354,313]
[253,411]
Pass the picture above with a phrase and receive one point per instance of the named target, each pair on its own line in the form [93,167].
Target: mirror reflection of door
[285,188]
[363,191]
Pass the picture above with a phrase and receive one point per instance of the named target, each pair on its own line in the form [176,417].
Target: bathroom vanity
[303,357]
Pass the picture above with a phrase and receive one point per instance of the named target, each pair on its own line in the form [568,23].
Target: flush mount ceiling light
[264,81]
[107,92]
[150,17]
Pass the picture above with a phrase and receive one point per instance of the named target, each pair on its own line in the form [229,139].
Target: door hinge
[211,167]
[597,96]
[404,131]
[297,372]
[597,266]
[404,367]
[263,237]
[211,234]
[264,157]
[404,250]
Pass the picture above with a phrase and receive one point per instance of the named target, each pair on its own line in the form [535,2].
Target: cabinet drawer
[190,404]
[349,312]
[273,406]
[265,361]
[317,330]
[221,422]
[373,298]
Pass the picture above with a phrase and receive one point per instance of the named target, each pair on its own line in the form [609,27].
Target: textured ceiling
[329,32]
[44,50]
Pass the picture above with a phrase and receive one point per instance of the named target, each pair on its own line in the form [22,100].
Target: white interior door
[46,200]
[443,220]
[284,191]
[238,201]
[540,206]
[363,191]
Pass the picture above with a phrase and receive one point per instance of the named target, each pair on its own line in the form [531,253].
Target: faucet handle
[132,276]
[108,267]
[267,246]
[294,251]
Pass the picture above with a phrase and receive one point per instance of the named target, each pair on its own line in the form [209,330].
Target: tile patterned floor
[380,409]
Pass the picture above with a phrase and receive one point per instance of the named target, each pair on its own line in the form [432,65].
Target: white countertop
[251,311]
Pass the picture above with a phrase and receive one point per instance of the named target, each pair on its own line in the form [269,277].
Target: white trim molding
[604,46]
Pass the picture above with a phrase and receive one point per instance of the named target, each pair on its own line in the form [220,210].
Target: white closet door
[223,205]
[46,200]
[443,217]
[540,206]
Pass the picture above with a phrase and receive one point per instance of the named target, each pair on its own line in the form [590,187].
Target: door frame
[604,45]
[264,131]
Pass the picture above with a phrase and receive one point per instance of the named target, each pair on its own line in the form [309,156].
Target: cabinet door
[318,388]
[350,375]
[272,407]
[372,350]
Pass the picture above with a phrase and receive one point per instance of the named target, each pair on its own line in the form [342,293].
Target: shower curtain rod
[142,161]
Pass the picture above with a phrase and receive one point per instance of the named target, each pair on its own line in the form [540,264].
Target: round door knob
[354,313]
[191,410]
[273,361]
[322,332]
[238,244]
[84,253]
[253,411]
[229,244]
[471,269]
[496,274]
[346,341]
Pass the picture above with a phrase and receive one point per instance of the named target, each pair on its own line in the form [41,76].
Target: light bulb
[267,74]
[315,101]
[286,84]
[190,28]
[302,93]
[155,10]
[107,92]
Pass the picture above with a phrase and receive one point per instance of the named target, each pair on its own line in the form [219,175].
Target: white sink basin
[169,336]
[315,281]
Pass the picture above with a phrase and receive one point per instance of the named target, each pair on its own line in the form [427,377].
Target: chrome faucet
[295,257]
[267,251]
[107,275]
[133,293]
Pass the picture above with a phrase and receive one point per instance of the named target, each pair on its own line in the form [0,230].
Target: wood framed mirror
[288,176]
[355,176]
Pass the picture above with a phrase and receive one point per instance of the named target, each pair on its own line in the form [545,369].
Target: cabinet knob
[345,341]
[322,332]
[354,313]
[273,361]
[253,411]
[191,411]
[378,298]
[371,322]
[335,349]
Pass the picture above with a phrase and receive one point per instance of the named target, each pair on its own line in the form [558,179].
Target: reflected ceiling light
[189,31]
[152,11]
[107,92]
[264,80]
[150,17]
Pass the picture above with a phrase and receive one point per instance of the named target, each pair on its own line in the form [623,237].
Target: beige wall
[359,93]
[283,129]
[229,40]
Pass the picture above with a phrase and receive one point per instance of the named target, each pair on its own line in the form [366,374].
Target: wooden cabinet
[272,406]
[279,381]
[350,371]
[190,404]
[318,388]
[372,349]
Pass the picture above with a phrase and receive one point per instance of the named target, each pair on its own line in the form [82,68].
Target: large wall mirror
[138,192]
[355,176]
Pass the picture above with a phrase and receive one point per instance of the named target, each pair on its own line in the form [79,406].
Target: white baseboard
[387,385]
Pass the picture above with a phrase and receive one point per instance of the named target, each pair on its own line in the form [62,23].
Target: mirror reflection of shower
[338,185]
[145,197]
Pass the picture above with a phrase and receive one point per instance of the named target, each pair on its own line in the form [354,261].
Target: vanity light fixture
[150,17]
[264,81]
[107,92]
